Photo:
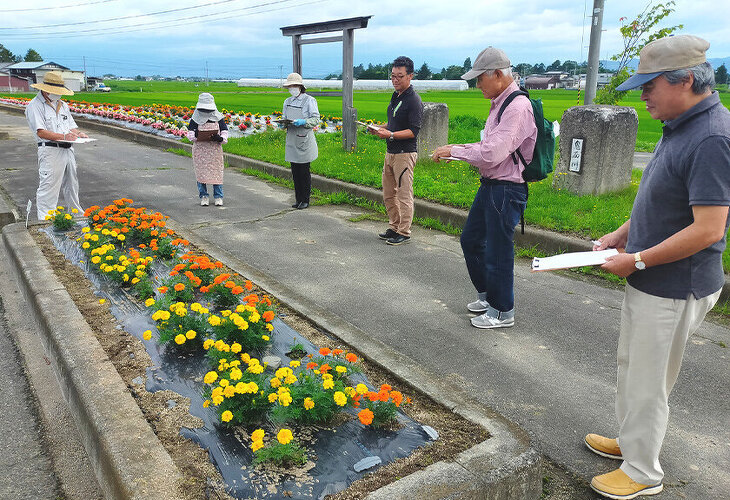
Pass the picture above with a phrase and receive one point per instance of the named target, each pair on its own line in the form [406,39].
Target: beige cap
[293,79]
[53,84]
[488,59]
[667,54]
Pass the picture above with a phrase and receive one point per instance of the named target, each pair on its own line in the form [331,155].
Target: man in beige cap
[507,145]
[673,261]
[49,118]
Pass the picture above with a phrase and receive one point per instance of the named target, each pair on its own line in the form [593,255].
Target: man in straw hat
[673,261]
[50,120]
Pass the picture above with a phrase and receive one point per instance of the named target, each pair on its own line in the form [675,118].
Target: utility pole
[594,52]
[86,85]
[206,73]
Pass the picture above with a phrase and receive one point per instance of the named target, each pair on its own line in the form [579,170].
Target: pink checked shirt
[516,129]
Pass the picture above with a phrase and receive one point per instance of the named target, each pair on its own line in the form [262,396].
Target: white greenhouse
[359,84]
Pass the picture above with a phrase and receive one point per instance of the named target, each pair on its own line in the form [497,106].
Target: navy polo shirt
[691,166]
[405,111]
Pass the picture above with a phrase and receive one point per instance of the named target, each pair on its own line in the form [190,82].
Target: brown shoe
[617,485]
[606,447]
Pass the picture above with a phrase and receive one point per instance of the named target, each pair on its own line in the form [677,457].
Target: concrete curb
[129,461]
[505,466]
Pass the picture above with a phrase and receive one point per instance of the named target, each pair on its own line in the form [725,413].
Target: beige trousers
[654,332]
[398,190]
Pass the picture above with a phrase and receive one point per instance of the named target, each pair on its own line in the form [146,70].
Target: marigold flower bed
[300,404]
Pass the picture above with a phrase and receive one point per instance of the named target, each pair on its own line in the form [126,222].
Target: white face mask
[53,98]
[294,91]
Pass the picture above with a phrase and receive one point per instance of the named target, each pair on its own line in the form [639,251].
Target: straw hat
[294,79]
[53,84]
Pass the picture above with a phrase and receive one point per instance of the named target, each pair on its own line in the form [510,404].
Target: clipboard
[284,121]
[80,140]
[570,260]
[206,135]
[368,126]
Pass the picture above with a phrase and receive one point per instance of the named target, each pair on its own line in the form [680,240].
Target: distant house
[11,83]
[542,82]
[602,80]
[34,72]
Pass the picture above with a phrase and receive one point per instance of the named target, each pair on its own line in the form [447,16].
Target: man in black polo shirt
[405,113]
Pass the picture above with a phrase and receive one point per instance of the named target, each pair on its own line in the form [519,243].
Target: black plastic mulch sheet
[336,450]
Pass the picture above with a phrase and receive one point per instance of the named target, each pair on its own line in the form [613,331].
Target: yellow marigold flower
[207,344]
[121,237]
[241,388]
[68,217]
[295,363]
[181,311]
[219,345]
[269,327]
[147,335]
[253,387]
[256,369]
[340,398]
[340,369]
[229,391]
[275,383]
[254,318]
[74,211]
[85,230]
[236,374]
[265,337]
[190,334]
[59,207]
[217,391]
[95,259]
[328,384]
[225,313]
[113,233]
[350,391]
[195,307]
[361,389]
[235,362]
[285,399]
[226,416]
[258,435]
[101,301]
[94,237]
[224,382]
[206,403]
[257,445]
[165,315]
[246,357]
[290,379]
[273,397]
[240,308]
[326,376]
[85,245]
[217,399]
[125,277]
[180,339]
[135,281]
[308,403]
[283,372]
[210,377]
[214,320]
[284,436]
[236,348]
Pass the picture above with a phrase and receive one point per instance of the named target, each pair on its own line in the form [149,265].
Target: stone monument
[434,128]
[596,149]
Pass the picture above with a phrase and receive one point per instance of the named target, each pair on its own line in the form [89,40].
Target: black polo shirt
[405,111]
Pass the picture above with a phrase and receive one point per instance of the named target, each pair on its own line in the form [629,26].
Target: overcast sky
[241,38]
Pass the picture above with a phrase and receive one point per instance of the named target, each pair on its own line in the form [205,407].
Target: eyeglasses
[397,77]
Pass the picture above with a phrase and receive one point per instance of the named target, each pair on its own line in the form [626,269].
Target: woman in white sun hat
[49,118]
[208,132]
[301,146]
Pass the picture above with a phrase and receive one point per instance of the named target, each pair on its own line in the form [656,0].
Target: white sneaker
[204,202]
[486,321]
[478,306]
[219,202]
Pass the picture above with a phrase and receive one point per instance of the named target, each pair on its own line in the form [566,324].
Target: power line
[121,17]
[161,24]
[59,7]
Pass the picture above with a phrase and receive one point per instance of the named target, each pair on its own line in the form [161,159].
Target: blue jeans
[487,241]
[217,190]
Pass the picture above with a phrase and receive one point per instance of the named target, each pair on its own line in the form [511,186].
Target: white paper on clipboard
[574,259]
[80,140]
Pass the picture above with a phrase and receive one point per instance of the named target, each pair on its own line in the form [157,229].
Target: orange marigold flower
[179,287]
[384,396]
[248,285]
[386,387]
[236,290]
[162,289]
[312,365]
[268,316]
[325,368]
[230,284]
[372,396]
[337,352]
[351,357]
[174,273]
[365,416]
[397,397]
[324,351]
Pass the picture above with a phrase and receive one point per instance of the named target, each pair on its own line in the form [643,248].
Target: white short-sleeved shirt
[41,115]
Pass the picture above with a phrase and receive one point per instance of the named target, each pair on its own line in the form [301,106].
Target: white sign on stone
[576,154]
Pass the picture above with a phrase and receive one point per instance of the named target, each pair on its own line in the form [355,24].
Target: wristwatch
[638,263]
[392,136]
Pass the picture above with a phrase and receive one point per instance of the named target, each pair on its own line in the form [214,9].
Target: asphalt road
[553,373]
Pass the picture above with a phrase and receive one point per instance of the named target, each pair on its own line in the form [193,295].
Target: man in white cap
[507,145]
[673,261]
[49,118]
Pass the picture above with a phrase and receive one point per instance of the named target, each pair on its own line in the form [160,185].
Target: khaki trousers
[398,190]
[654,332]
[57,174]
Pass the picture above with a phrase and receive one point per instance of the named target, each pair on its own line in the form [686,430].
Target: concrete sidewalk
[553,373]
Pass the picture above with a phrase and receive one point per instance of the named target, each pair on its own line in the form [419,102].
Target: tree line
[7,56]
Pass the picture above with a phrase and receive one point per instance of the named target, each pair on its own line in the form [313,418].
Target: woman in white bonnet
[301,146]
[208,132]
